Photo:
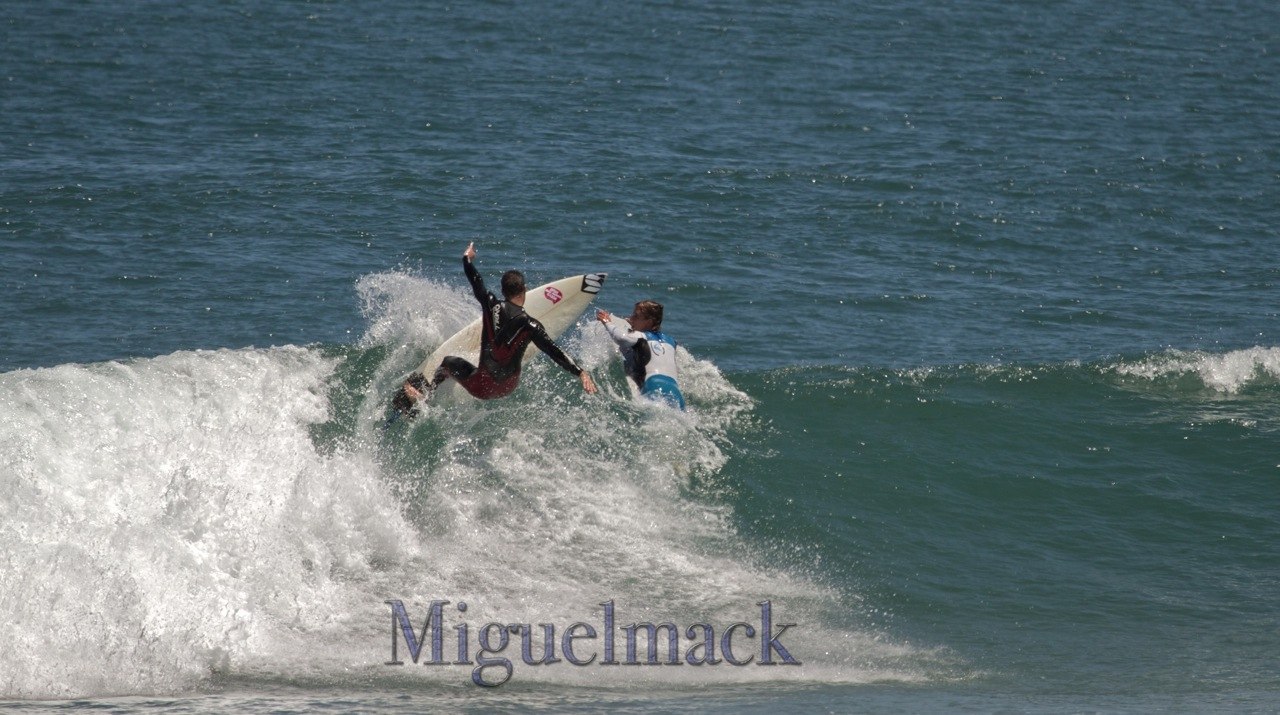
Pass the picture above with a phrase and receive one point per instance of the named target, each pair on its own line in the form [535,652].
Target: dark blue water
[978,316]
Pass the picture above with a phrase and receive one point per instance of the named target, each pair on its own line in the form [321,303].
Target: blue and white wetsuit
[649,359]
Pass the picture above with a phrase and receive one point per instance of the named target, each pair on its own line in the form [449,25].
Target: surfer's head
[512,284]
[647,316]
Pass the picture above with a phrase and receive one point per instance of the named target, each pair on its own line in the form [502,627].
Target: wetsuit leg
[663,388]
[455,367]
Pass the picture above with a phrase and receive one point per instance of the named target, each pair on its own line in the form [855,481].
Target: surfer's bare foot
[414,393]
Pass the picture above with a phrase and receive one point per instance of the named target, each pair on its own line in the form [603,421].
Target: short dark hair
[651,310]
[512,284]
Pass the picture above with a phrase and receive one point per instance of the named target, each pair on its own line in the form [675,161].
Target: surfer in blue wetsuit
[648,355]
[507,333]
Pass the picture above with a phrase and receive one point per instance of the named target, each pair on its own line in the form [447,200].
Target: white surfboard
[556,305]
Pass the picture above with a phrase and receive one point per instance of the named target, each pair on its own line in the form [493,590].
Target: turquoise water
[977,308]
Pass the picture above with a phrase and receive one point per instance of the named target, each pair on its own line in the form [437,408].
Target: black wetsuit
[506,335]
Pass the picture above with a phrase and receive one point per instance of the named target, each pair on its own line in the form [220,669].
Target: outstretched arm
[553,351]
[623,336]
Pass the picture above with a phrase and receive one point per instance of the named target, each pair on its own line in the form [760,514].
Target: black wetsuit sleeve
[553,351]
[477,284]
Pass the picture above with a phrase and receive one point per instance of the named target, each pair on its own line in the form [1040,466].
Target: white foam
[163,513]
[1228,372]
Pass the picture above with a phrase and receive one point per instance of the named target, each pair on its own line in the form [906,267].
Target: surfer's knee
[455,367]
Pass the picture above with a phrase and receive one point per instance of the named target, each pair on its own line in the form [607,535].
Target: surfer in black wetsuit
[507,332]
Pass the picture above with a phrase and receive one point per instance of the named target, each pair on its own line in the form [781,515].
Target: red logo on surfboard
[553,294]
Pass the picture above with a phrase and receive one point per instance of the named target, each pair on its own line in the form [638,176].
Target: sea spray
[166,518]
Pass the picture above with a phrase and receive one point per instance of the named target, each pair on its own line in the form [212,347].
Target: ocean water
[978,315]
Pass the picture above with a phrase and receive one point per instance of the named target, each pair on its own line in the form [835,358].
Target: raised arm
[473,275]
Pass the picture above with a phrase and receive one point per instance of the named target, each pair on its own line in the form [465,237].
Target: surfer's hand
[587,383]
[602,315]
[470,253]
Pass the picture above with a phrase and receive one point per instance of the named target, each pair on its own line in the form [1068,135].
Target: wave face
[1085,526]
[206,515]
